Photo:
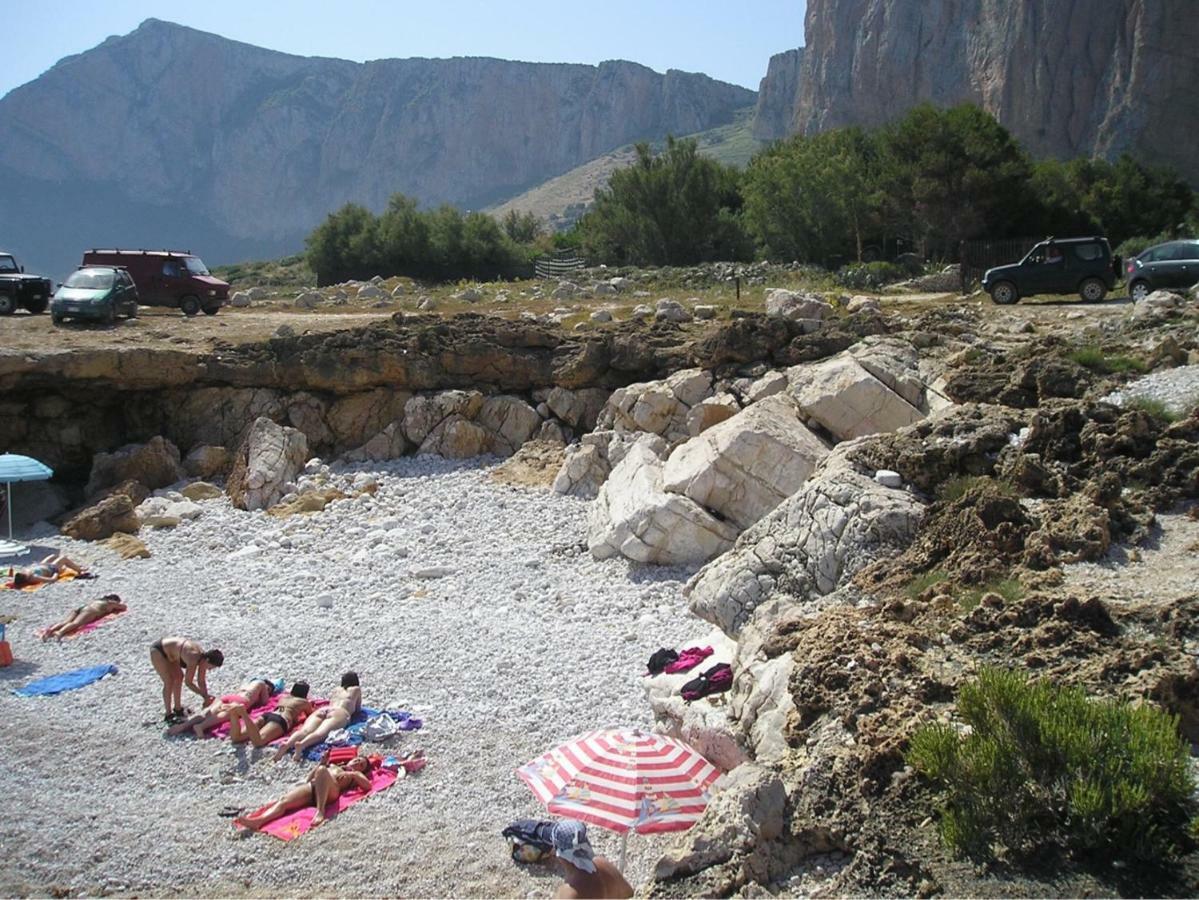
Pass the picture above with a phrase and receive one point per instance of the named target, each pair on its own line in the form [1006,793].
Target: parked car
[100,293]
[173,278]
[1174,264]
[21,291]
[1082,265]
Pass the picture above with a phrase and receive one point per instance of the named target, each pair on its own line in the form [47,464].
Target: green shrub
[1045,763]
[869,276]
[1155,408]
[1093,358]
[1134,246]
[922,583]
[1010,589]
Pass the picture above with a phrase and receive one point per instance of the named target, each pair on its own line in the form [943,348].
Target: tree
[337,247]
[521,228]
[672,208]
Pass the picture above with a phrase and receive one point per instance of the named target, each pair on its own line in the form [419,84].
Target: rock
[554,433]
[794,305]
[767,386]
[354,419]
[620,284]
[534,465]
[745,466]
[671,311]
[861,304]
[895,363]
[888,478]
[510,421]
[424,412]
[110,515]
[240,300]
[371,292]
[711,411]
[308,300]
[601,315]
[389,443]
[324,601]
[398,291]
[160,521]
[431,572]
[588,463]
[657,407]
[847,400]
[458,438]
[704,311]
[134,490]
[206,461]
[306,502]
[564,291]
[634,517]
[427,304]
[1158,305]
[154,463]
[601,288]
[641,311]
[202,490]
[127,546]
[811,544]
[579,408]
[285,331]
[258,293]
[270,456]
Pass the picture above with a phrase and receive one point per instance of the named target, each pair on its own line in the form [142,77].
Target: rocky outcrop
[847,400]
[154,464]
[278,141]
[778,94]
[270,458]
[1087,79]
[104,519]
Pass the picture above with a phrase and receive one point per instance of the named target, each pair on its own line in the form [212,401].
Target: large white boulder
[657,407]
[634,517]
[588,463]
[795,305]
[811,544]
[424,412]
[270,457]
[154,464]
[747,465]
[894,362]
[510,421]
[457,438]
[842,395]
[578,409]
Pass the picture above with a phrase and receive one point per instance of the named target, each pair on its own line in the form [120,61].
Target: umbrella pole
[8,506]
[624,847]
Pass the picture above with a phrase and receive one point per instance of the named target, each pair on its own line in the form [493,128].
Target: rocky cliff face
[1068,77]
[778,95]
[185,137]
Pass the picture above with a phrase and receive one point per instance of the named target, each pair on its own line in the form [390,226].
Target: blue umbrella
[14,467]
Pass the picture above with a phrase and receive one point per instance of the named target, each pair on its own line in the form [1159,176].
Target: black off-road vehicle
[21,291]
[1082,265]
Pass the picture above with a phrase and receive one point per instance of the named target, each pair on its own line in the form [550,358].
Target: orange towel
[9,586]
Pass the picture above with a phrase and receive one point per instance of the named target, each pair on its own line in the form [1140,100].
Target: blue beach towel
[405,720]
[67,681]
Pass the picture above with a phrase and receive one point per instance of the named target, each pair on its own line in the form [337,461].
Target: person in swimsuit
[272,725]
[324,784]
[85,615]
[179,661]
[250,694]
[49,569]
[345,701]
[583,873]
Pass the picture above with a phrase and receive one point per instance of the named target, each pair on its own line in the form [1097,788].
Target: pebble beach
[472,604]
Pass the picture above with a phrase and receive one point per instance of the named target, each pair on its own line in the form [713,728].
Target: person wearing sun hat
[584,873]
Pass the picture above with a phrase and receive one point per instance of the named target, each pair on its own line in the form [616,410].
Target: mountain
[171,136]
[561,200]
[1067,77]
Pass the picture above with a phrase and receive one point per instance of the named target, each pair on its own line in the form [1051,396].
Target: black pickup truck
[21,291]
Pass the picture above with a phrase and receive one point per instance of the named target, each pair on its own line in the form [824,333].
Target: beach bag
[530,840]
[720,678]
[660,660]
[694,689]
[335,756]
[380,728]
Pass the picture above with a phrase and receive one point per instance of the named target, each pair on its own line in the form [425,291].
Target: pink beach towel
[222,730]
[90,626]
[294,824]
[689,659]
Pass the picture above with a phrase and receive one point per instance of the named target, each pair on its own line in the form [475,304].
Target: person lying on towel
[249,695]
[85,615]
[49,569]
[271,726]
[324,784]
[343,703]
[179,661]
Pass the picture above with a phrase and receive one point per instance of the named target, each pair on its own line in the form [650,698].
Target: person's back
[584,873]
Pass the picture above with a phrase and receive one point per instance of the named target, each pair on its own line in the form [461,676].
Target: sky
[731,40]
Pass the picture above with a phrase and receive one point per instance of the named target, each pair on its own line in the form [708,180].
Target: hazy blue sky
[728,39]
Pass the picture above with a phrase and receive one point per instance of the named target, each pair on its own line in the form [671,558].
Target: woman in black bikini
[272,725]
[324,784]
[179,661]
[85,615]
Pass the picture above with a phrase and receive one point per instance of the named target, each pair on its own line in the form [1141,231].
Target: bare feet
[246,823]
[199,731]
[280,753]
[318,820]
[176,730]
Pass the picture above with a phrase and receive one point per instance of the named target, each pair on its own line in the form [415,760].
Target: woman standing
[179,661]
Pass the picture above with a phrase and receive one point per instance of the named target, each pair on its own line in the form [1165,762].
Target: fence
[978,256]
[562,263]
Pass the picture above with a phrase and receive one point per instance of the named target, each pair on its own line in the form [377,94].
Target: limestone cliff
[170,135]
[777,95]
[1067,77]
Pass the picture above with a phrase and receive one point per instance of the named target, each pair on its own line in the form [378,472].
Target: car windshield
[89,279]
[196,266]
[7,263]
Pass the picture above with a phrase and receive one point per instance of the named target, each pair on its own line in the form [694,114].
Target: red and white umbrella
[622,780]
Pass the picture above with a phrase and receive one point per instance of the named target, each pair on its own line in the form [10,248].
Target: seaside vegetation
[1041,764]
[922,183]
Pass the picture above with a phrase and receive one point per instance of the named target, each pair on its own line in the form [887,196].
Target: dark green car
[99,293]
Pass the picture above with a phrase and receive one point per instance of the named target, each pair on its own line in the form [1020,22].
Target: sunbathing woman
[250,694]
[179,661]
[49,569]
[272,725]
[85,615]
[345,701]
[324,784]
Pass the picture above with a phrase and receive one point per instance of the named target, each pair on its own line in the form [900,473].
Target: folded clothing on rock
[688,659]
[294,824]
[715,680]
[66,681]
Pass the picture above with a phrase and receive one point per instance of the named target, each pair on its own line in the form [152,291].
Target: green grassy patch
[955,488]
[921,583]
[1010,589]
[1095,359]
[1044,764]
[1155,408]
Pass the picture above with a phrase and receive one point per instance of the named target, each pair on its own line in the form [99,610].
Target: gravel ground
[1177,388]
[528,642]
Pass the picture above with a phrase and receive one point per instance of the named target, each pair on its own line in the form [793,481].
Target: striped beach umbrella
[622,780]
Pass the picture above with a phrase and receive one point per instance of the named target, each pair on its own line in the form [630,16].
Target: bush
[1043,762]
[869,276]
[1153,407]
[1134,246]
[1093,358]
[956,488]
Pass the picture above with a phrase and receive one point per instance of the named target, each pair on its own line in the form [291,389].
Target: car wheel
[57,320]
[132,314]
[110,314]
[211,310]
[37,307]
[8,305]
[190,306]
[1004,293]
[1092,290]
[1138,291]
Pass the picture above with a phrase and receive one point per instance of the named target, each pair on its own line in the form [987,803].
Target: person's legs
[62,561]
[324,789]
[177,688]
[56,629]
[334,720]
[242,728]
[296,798]
[310,725]
[166,672]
